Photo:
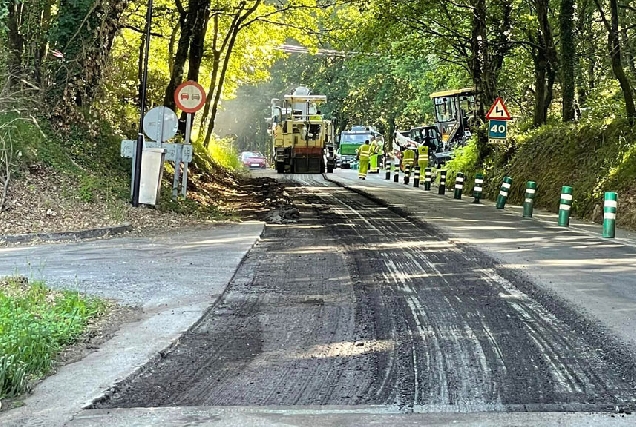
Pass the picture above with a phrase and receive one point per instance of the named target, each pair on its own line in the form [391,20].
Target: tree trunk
[197,45]
[219,87]
[186,23]
[568,57]
[617,63]
[544,58]
[540,90]
[86,49]
[15,39]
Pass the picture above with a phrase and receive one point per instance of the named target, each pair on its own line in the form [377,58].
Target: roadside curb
[574,227]
[91,233]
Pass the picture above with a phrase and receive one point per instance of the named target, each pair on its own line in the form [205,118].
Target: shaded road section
[356,305]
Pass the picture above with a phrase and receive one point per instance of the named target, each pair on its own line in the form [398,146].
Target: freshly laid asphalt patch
[355,305]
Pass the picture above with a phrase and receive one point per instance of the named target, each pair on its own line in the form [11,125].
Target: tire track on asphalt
[358,305]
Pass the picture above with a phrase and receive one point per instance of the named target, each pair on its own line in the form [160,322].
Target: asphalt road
[356,306]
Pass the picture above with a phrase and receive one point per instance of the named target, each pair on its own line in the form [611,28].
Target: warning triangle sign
[498,111]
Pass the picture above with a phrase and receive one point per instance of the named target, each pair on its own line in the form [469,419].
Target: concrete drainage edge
[91,233]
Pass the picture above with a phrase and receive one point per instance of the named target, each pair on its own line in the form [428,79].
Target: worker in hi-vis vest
[422,157]
[408,159]
[375,152]
[364,153]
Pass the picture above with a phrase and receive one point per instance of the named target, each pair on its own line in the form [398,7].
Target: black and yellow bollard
[442,182]
[396,172]
[427,179]
[459,186]
[407,174]
[387,168]
[416,177]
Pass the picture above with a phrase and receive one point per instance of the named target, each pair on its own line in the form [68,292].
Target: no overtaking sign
[190,97]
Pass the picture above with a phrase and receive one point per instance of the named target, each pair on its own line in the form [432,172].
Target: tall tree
[568,57]
[614,47]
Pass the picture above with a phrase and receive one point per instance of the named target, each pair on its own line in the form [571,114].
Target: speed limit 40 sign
[497,129]
[190,97]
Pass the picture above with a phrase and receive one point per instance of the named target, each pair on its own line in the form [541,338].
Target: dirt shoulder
[42,200]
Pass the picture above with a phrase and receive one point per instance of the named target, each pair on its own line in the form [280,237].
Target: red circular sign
[189,97]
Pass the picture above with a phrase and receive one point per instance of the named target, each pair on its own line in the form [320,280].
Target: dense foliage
[553,61]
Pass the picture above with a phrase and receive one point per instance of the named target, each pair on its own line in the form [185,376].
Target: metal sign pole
[184,188]
[177,173]
[140,135]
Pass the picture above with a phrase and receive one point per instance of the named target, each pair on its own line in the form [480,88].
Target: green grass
[35,323]
[591,157]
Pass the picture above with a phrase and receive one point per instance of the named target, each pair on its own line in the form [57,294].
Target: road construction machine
[455,110]
[303,141]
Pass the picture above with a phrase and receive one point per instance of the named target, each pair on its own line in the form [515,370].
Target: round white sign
[190,97]
[161,124]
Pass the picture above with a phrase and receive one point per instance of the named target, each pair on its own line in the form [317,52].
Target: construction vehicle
[454,113]
[438,152]
[350,141]
[303,141]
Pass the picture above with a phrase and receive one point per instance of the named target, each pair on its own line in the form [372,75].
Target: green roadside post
[503,192]
[610,206]
[427,179]
[565,205]
[528,203]
[459,186]
[442,183]
[478,187]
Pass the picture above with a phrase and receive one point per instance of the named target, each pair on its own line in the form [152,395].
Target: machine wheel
[280,167]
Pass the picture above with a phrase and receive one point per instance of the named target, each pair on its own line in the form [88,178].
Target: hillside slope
[592,158]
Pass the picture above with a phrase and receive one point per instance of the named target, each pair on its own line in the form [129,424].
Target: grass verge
[35,323]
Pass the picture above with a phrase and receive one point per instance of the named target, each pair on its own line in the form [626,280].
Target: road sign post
[190,98]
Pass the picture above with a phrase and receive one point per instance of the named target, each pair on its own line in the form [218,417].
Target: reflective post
[459,186]
[503,192]
[427,179]
[442,182]
[528,203]
[610,206]
[478,187]
[565,206]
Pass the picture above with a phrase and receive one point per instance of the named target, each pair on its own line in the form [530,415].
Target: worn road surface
[357,307]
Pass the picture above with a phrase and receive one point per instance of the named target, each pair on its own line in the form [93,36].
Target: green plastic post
[503,192]
[565,205]
[478,187]
[528,204]
[459,186]
[610,206]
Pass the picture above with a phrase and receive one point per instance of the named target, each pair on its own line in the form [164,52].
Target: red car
[253,160]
